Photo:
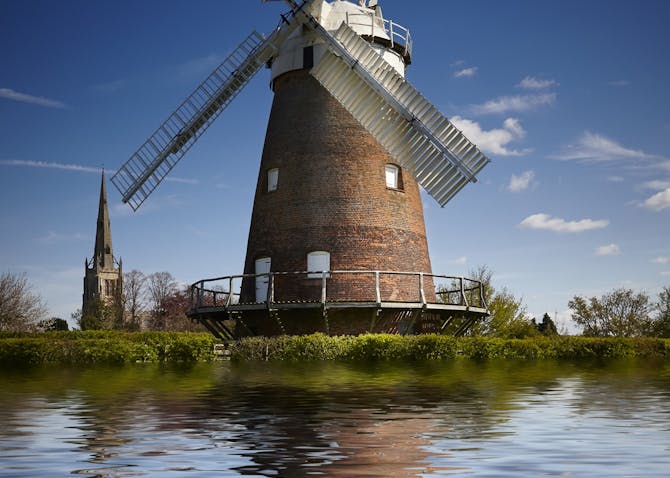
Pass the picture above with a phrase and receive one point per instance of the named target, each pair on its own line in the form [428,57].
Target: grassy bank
[122,347]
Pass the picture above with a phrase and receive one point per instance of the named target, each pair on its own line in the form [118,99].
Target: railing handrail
[392,29]
[461,286]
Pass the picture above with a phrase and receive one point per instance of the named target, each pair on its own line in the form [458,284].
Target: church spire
[102,256]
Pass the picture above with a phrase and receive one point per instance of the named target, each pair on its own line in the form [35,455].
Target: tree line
[153,301]
[157,301]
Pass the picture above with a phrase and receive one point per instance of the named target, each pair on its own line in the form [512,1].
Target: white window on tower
[262,269]
[317,263]
[392,176]
[273,179]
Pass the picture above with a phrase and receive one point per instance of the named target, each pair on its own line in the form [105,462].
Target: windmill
[337,240]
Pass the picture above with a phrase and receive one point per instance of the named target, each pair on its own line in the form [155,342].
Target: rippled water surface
[387,420]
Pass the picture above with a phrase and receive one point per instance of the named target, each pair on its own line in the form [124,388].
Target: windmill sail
[412,130]
[147,167]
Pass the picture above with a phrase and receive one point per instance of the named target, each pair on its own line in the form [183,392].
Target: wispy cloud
[658,201]
[657,185]
[619,83]
[79,168]
[521,182]
[109,87]
[198,67]
[466,72]
[596,147]
[50,165]
[494,141]
[549,223]
[608,250]
[35,100]
[532,83]
[662,260]
[616,179]
[460,260]
[517,103]
[55,237]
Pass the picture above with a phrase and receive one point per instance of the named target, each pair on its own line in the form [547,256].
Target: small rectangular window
[273,179]
[308,57]
[317,263]
[392,176]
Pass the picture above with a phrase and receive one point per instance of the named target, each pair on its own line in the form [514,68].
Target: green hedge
[107,347]
[372,347]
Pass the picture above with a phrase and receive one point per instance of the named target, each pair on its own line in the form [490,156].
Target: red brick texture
[331,196]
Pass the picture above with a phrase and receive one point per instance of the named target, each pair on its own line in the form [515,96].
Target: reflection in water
[386,420]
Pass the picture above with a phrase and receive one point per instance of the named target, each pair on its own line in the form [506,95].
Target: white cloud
[35,100]
[518,103]
[615,179]
[657,185]
[662,260]
[532,83]
[619,83]
[50,165]
[596,147]
[608,250]
[658,201]
[466,72]
[79,168]
[493,141]
[198,67]
[546,222]
[521,182]
[460,260]
[665,273]
[54,237]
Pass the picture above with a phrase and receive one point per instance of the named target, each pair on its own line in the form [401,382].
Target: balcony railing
[368,286]
[399,37]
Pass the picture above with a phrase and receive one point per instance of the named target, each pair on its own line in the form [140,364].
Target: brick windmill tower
[337,240]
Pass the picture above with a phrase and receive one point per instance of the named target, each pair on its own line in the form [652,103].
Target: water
[386,420]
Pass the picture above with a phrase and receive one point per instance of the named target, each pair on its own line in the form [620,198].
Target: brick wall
[331,196]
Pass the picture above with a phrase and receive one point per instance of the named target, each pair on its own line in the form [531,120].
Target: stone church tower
[103,279]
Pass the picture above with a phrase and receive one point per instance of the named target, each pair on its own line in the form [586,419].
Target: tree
[175,307]
[508,318]
[547,326]
[620,313]
[662,323]
[160,286]
[134,298]
[20,308]
[52,324]
[99,315]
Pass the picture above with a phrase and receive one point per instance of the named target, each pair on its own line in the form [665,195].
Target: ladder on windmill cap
[412,130]
[149,165]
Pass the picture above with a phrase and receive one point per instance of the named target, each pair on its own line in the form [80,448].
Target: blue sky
[568,98]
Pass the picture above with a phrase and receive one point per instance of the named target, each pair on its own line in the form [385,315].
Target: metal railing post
[391,31]
[271,289]
[323,287]
[422,293]
[378,294]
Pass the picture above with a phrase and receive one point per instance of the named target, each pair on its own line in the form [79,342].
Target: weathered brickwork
[332,196]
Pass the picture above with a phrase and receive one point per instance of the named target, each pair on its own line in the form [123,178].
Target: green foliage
[620,313]
[661,325]
[115,347]
[380,347]
[105,347]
